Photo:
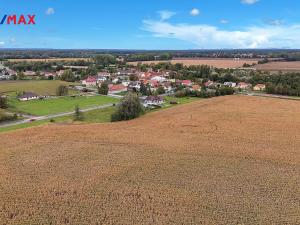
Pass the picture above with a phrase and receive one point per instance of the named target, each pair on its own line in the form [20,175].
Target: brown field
[277,66]
[48,60]
[218,63]
[227,160]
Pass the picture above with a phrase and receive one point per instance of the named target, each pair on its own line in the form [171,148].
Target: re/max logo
[18,20]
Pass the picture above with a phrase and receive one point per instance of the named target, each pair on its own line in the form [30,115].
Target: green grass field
[180,101]
[94,116]
[40,87]
[58,105]
[97,116]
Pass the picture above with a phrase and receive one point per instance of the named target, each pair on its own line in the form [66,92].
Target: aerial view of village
[181,117]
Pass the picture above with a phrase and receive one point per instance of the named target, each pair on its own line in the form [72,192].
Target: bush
[3,103]
[160,90]
[129,108]
[7,117]
[226,90]
[180,94]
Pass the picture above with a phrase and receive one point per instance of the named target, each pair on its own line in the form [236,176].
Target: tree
[143,89]
[78,114]
[3,103]
[68,76]
[129,108]
[133,77]
[62,90]
[105,59]
[160,90]
[103,89]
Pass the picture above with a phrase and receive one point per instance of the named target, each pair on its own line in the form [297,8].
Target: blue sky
[155,24]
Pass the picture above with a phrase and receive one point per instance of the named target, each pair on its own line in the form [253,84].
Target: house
[134,85]
[90,81]
[101,79]
[209,83]
[230,84]
[167,86]
[196,88]
[103,74]
[29,73]
[153,101]
[126,83]
[28,96]
[243,85]
[186,83]
[154,83]
[49,74]
[259,87]
[60,73]
[158,78]
[116,88]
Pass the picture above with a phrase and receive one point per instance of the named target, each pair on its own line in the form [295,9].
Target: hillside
[227,160]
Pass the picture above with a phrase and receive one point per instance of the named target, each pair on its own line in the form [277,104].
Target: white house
[154,101]
[28,96]
[230,84]
[101,79]
[158,78]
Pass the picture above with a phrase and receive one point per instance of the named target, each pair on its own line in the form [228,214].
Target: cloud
[249,2]
[195,12]
[212,37]
[224,21]
[165,14]
[2,43]
[275,22]
[50,11]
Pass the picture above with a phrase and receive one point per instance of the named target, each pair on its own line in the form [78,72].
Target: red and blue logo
[18,20]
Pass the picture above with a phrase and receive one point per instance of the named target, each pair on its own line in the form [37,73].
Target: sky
[153,24]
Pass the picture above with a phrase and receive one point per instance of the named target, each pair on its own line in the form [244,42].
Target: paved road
[271,96]
[38,118]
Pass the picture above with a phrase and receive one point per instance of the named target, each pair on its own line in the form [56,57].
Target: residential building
[259,87]
[116,88]
[90,82]
[153,101]
[28,96]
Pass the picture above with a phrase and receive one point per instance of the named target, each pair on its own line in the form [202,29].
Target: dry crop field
[277,66]
[218,63]
[227,160]
[48,60]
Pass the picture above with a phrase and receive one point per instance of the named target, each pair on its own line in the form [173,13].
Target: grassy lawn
[40,87]
[58,105]
[123,93]
[94,116]
[180,101]
[97,116]
[22,126]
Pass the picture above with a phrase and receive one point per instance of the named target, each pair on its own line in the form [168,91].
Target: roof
[260,85]
[243,84]
[186,82]
[154,98]
[208,83]
[29,95]
[117,87]
[91,79]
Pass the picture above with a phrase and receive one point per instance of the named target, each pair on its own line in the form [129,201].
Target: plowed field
[227,160]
